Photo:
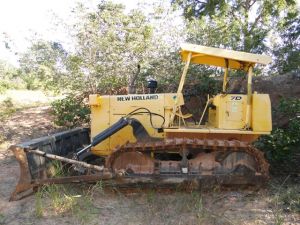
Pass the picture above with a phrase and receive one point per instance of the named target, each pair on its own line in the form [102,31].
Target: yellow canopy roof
[217,57]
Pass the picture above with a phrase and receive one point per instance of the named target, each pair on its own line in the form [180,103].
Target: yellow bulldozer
[147,137]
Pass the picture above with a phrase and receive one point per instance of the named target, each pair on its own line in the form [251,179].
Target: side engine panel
[106,110]
[228,111]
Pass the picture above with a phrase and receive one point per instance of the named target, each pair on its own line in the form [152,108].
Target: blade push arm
[121,123]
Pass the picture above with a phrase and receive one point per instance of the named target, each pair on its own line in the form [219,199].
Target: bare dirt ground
[94,204]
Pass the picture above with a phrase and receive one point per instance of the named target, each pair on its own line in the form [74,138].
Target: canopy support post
[180,87]
[183,76]
[249,97]
[225,76]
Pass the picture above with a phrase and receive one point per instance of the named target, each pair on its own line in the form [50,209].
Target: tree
[245,22]
[163,62]
[8,76]
[287,49]
[42,65]
[111,47]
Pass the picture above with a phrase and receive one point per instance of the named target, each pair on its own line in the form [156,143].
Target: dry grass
[28,98]
[15,100]
[97,204]
[285,198]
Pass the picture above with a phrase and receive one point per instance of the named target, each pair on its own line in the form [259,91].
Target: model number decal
[137,97]
[236,98]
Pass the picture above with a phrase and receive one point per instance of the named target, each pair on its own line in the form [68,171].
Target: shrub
[3,86]
[6,84]
[283,143]
[7,108]
[71,111]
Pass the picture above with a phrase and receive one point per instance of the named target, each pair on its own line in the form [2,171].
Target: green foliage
[8,77]
[194,8]
[71,111]
[202,85]
[4,85]
[110,45]
[7,108]
[31,82]
[214,32]
[284,141]
[208,85]
[113,49]
[287,52]
[42,66]
[242,25]
[289,107]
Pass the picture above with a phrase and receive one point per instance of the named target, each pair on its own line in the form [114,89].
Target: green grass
[278,217]
[289,199]
[150,196]
[56,169]
[39,209]
[71,200]
[198,205]
[60,199]
[2,219]
[285,198]
[66,200]
[98,187]
[286,195]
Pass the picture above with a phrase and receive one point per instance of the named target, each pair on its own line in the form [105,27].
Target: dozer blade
[33,167]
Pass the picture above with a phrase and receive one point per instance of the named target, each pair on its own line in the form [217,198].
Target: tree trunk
[131,84]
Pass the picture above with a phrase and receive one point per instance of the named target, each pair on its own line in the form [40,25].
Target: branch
[134,77]
[244,4]
[252,4]
[247,4]
[256,21]
[199,2]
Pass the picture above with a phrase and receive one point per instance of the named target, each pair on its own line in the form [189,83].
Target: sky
[21,19]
